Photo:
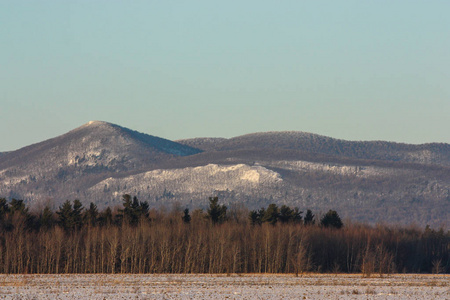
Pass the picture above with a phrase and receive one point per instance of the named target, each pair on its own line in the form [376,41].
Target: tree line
[138,239]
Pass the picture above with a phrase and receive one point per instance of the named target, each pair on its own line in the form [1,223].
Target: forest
[135,238]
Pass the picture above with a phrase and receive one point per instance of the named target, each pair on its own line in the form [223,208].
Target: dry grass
[205,286]
[370,291]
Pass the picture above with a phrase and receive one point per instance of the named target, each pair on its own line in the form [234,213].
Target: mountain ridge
[369,181]
[438,153]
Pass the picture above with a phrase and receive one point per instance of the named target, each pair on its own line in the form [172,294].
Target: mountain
[63,166]
[293,140]
[365,181]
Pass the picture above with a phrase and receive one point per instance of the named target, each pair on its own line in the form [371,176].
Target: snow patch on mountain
[336,169]
[202,180]
[251,175]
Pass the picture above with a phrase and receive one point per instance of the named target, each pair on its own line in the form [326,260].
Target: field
[311,286]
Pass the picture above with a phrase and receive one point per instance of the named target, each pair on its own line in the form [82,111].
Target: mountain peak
[96,145]
[95,122]
[116,136]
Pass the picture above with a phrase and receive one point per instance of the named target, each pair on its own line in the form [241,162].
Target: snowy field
[223,287]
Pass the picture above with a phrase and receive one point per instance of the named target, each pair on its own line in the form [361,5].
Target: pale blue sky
[358,70]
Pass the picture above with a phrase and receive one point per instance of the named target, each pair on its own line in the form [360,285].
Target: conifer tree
[91,215]
[105,217]
[46,219]
[331,219]
[254,217]
[65,215]
[217,213]
[272,214]
[133,210]
[297,215]
[17,206]
[4,208]
[309,218]
[186,217]
[77,214]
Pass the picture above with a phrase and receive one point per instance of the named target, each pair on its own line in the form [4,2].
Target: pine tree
[17,206]
[143,209]
[91,215]
[254,217]
[77,214]
[186,217]
[65,215]
[46,218]
[297,215]
[133,210]
[309,218]
[4,209]
[331,219]
[217,213]
[286,214]
[106,218]
[126,214]
[272,214]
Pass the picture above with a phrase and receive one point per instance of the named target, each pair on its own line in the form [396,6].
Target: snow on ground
[182,286]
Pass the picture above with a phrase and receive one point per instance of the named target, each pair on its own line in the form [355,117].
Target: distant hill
[365,181]
[293,140]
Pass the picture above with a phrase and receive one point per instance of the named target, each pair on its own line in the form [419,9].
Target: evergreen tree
[77,214]
[133,210]
[135,203]
[297,215]
[309,218]
[46,219]
[143,209]
[261,213]
[217,213]
[186,217]
[4,209]
[286,214]
[254,217]
[19,214]
[5,224]
[65,215]
[18,206]
[126,214]
[91,215]
[272,214]
[105,218]
[331,219]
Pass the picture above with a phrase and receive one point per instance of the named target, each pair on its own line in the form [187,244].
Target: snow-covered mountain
[367,181]
[64,166]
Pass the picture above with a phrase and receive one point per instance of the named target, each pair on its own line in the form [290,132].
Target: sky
[355,70]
